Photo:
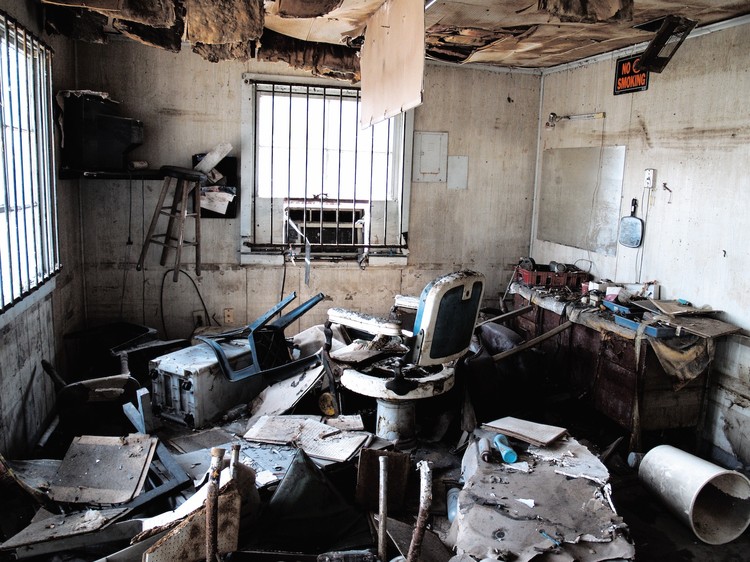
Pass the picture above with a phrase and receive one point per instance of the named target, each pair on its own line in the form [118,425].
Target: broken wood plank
[702,326]
[531,432]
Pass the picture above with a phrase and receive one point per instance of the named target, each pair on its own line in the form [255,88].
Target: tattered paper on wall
[392,60]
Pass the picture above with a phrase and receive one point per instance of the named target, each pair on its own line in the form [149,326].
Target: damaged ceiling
[324,36]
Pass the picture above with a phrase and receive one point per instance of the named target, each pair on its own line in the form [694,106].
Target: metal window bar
[322,168]
[28,246]
[340,214]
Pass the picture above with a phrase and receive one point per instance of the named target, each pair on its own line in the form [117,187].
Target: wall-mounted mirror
[579,197]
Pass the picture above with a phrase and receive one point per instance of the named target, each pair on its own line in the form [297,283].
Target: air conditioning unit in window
[328,225]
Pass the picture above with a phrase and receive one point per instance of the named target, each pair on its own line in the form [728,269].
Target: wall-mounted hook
[664,186]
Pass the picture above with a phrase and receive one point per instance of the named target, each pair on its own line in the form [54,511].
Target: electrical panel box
[189,387]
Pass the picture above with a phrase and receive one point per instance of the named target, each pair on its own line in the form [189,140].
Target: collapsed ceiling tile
[242,51]
[77,23]
[455,44]
[169,39]
[322,59]
[307,8]
[217,22]
[589,10]
[346,21]
[156,13]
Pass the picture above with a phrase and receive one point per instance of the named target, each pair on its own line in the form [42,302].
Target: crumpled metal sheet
[219,22]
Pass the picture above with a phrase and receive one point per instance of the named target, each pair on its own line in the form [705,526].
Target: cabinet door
[616,385]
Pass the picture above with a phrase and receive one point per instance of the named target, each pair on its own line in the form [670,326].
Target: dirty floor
[658,535]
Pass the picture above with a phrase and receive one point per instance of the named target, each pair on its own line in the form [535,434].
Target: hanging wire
[161,299]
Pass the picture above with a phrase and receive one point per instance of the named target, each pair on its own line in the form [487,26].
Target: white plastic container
[713,501]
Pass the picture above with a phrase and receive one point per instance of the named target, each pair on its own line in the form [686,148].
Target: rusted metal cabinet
[631,388]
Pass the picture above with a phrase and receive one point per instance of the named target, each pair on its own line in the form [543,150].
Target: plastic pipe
[452,503]
[506,451]
[712,501]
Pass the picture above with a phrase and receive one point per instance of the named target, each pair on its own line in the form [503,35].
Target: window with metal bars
[322,183]
[28,216]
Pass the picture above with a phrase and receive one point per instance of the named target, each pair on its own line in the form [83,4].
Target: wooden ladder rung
[186,187]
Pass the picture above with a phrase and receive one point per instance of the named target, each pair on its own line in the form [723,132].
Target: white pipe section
[713,501]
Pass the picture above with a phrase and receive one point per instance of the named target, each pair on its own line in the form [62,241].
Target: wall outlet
[199,319]
[228,316]
[648,178]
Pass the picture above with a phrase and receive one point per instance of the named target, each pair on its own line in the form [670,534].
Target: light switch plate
[648,178]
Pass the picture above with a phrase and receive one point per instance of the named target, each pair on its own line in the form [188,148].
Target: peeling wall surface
[692,126]
[189,106]
[32,330]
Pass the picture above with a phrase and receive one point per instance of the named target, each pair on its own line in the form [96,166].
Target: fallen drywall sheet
[315,438]
[524,515]
[51,529]
[281,397]
[392,60]
[103,470]
[572,459]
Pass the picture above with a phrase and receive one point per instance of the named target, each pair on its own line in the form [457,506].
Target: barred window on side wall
[28,216]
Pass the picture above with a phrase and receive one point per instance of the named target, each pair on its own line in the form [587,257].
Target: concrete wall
[693,126]
[33,329]
[189,105]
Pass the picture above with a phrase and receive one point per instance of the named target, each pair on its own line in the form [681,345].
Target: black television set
[95,137]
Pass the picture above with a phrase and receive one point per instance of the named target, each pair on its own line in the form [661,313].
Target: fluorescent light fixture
[673,31]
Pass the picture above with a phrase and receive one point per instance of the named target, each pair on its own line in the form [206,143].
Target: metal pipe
[212,505]
[533,342]
[507,315]
[234,460]
[383,509]
[425,500]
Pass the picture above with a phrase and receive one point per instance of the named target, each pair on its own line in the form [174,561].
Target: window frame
[252,252]
[29,244]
